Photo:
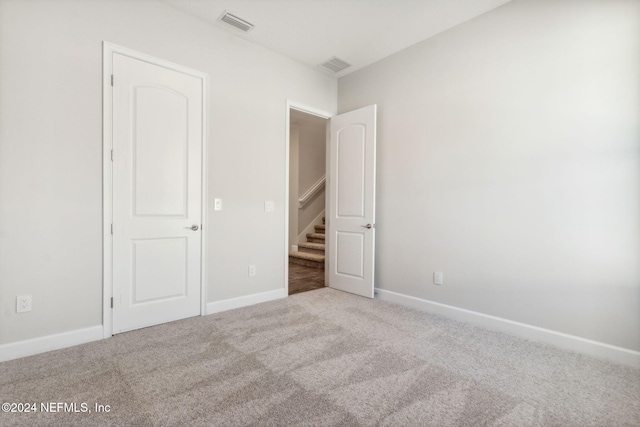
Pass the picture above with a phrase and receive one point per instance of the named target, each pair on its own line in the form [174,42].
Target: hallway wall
[51,153]
[509,160]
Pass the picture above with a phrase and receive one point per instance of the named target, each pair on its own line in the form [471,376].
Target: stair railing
[311,192]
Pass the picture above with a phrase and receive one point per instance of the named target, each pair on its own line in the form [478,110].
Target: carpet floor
[319,358]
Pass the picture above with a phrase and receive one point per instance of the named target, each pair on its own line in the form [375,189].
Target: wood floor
[302,278]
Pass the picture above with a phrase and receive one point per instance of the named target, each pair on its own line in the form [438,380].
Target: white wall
[307,160]
[294,193]
[51,152]
[312,152]
[312,160]
[509,159]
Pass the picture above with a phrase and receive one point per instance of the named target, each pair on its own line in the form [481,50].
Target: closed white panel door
[157,201]
[352,191]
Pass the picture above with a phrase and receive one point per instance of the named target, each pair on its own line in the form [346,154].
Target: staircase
[311,252]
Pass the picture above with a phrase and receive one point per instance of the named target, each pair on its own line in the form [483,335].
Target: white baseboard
[33,346]
[232,303]
[570,342]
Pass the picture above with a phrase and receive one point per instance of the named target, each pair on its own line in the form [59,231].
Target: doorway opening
[350,165]
[307,177]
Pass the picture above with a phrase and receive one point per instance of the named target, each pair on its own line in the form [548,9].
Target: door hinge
[111,228]
[111,79]
[112,155]
[111,302]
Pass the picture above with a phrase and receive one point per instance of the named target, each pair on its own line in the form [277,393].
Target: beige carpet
[320,358]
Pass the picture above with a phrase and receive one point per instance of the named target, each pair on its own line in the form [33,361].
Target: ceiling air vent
[234,21]
[335,65]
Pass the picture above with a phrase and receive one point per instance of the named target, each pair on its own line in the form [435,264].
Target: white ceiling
[359,32]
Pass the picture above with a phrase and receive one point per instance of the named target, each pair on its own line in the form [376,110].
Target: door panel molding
[109,50]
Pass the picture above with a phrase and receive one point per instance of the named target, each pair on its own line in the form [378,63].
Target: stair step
[308,259]
[315,237]
[320,228]
[313,248]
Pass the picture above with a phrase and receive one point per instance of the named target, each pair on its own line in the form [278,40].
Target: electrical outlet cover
[23,303]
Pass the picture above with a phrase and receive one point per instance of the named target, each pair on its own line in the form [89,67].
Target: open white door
[352,201]
[157,198]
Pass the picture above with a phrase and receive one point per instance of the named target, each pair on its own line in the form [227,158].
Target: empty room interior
[169,168]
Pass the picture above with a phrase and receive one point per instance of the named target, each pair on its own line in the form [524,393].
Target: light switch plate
[438,278]
[217,204]
[269,206]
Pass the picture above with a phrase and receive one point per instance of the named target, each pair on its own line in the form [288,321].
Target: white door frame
[292,105]
[109,49]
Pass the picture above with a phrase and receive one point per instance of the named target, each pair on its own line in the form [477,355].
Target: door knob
[367,226]
[194,227]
